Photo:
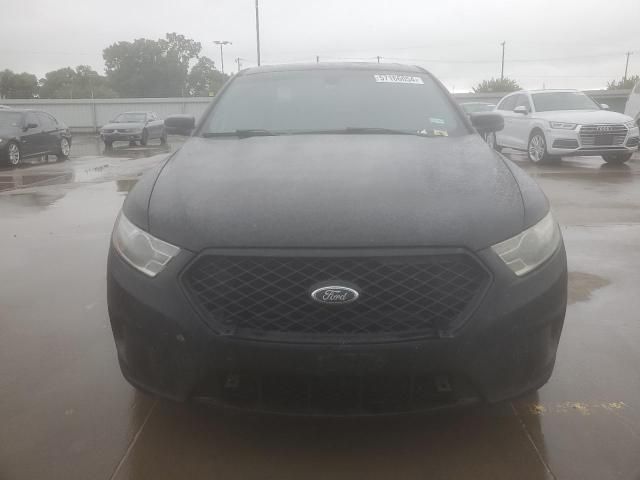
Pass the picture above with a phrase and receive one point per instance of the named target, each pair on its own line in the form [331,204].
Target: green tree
[18,85]
[204,79]
[83,82]
[623,84]
[495,85]
[150,68]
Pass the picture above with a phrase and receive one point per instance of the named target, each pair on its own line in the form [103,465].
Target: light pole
[502,69]
[258,31]
[222,43]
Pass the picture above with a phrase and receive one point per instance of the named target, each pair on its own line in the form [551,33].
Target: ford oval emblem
[335,294]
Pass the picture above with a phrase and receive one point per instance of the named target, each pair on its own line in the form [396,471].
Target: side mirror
[180,124]
[487,122]
[604,106]
[522,110]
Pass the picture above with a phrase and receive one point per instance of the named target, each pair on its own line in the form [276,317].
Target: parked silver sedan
[134,127]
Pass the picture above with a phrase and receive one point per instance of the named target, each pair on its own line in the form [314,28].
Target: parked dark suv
[31,133]
[337,238]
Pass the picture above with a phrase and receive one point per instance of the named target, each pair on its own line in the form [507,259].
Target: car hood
[583,117]
[335,191]
[123,125]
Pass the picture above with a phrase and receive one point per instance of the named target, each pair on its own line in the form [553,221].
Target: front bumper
[505,349]
[569,143]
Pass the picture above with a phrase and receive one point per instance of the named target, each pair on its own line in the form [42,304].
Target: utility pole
[317,58]
[222,43]
[258,32]
[239,62]
[502,69]
[378,58]
[626,67]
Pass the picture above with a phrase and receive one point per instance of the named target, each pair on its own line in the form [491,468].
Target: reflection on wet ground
[68,413]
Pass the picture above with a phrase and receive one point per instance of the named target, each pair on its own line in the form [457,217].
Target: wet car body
[31,133]
[134,127]
[409,223]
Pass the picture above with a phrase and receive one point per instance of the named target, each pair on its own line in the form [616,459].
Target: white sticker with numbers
[387,78]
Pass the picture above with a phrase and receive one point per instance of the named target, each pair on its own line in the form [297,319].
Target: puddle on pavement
[17,179]
[582,285]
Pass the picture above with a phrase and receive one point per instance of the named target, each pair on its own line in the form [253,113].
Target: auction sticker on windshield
[387,78]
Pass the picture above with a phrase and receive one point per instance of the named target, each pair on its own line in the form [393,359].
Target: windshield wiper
[365,131]
[252,132]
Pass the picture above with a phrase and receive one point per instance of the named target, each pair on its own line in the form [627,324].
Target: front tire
[163,137]
[64,149]
[13,154]
[144,138]
[617,158]
[537,148]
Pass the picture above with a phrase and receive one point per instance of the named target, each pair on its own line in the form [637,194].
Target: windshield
[545,102]
[10,119]
[333,99]
[130,117]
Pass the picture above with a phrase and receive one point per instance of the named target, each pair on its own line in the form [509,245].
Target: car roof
[366,66]
[137,111]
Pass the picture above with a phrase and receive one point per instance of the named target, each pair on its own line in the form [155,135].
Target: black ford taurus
[30,133]
[337,239]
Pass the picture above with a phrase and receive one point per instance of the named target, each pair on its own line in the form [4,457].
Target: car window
[523,101]
[508,103]
[131,117]
[335,99]
[10,119]
[550,101]
[31,117]
[47,121]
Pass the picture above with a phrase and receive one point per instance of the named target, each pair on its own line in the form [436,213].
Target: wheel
[616,158]
[163,137]
[13,154]
[145,138]
[493,142]
[108,145]
[63,150]
[537,148]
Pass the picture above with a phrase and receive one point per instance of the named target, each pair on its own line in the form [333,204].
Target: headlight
[531,248]
[563,125]
[141,250]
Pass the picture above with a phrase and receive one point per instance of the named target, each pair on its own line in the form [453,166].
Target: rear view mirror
[180,124]
[604,106]
[487,122]
[522,110]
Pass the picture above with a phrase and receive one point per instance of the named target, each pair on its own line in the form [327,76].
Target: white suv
[549,124]
[633,104]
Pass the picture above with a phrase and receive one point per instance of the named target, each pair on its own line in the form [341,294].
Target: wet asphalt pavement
[67,413]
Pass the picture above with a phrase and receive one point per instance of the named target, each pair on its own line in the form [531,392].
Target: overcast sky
[551,43]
